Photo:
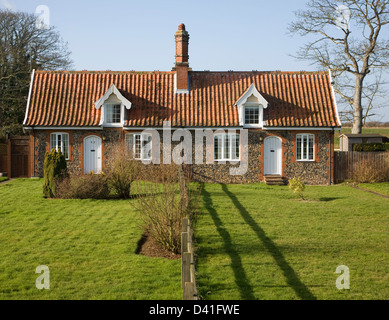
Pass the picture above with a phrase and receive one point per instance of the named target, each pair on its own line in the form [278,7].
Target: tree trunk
[357,104]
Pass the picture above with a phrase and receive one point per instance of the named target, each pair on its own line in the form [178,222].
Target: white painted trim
[302,128]
[112,89]
[222,147]
[266,156]
[314,147]
[56,142]
[252,90]
[188,128]
[64,128]
[29,96]
[334,97]
[242,102]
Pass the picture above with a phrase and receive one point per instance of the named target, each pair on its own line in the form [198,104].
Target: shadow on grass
[327,199]
[241,280]
[291,277]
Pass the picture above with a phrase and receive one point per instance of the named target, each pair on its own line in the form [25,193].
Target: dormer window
[113,108]
[251,113]
[112,113]
[250,108]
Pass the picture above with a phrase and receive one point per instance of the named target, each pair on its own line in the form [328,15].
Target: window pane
[305,146]
[146,146]
[217,147]
[138,146]
[53,141]
[251,115]
[65,145]
[311,147]
[235,147]
[113,113]
[227,147]
[129,141]
[299,147]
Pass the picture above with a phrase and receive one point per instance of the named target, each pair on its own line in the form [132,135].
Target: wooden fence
[188,281]
[353,165]
[15,157]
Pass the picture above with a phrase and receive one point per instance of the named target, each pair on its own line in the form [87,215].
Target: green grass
[89,246]
[384,131]
[382,187]
[262,242]
[3,179]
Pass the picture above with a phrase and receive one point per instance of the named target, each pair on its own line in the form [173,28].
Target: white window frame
[231,149]
[306,136]
[62,145]
[144,140]
[252,105]
[108,108]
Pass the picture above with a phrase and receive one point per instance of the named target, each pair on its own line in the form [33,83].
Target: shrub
[297,186]
[55,169]
[90,186]
[164,199]
[121,171]
[370,170]
[371,147]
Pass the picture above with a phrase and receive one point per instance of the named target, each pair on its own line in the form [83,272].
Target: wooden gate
[15,157]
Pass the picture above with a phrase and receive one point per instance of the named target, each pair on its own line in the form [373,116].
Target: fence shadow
[291,277]
[241,280]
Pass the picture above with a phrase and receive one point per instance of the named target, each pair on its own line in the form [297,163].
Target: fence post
[9,173]
[185,268]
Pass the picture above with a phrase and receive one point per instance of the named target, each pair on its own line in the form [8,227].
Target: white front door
[272,155]
[92,154]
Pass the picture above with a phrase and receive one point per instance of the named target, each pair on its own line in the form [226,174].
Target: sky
[239,35]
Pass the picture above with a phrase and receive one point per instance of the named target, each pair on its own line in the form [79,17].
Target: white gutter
[302,128]
[64,128]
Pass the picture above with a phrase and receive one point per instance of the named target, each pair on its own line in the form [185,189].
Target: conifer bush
[54,170]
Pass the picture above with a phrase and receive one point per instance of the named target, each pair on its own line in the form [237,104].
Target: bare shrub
[121,170]
[164,198]
[371,169]
[90,186]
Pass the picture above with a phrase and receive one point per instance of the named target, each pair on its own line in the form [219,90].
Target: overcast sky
[238,35]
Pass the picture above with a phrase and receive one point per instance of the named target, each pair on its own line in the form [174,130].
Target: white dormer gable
[113,105]
[250,108]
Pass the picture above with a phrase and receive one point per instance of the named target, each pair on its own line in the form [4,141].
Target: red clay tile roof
[296,99]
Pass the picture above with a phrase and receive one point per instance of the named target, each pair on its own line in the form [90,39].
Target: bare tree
[24,47]
[345,36]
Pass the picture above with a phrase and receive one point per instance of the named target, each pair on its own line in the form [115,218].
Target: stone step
[274,180]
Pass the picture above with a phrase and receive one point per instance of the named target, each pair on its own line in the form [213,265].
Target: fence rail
[354,165]
[188,280]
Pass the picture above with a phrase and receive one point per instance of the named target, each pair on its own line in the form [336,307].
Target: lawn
[88,245]
[383,131]
[382,187]
[262,242]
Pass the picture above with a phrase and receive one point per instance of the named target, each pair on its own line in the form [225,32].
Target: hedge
[371,147]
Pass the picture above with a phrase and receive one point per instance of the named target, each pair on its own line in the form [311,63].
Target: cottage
[280,124]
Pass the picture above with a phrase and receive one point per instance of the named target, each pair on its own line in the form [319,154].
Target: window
[251,114]
[113,113]
[60,142]
[226,147]
[139,145]
[305,147]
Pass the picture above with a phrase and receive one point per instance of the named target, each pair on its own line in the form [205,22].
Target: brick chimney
[182,60]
